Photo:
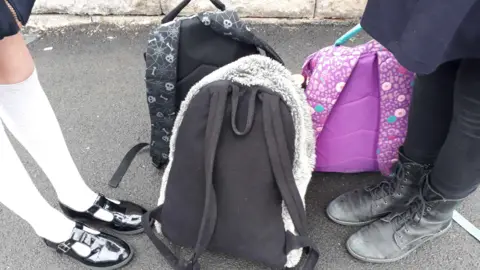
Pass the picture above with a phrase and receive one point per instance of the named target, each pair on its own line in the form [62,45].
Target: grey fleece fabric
[262,71]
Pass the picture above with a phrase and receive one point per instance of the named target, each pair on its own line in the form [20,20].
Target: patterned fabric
[161,78]
[161,73]
[225,23]
[329,70]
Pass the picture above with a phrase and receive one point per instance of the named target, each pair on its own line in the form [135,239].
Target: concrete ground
[94,78]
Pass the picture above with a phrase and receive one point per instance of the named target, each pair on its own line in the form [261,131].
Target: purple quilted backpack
[359,98]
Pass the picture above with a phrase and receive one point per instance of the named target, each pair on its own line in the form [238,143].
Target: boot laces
[389,184]
[417,207]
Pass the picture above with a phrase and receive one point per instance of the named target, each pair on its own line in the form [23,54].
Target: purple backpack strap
[327,72]
[395,93]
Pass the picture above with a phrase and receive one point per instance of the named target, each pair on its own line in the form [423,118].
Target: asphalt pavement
[94,78]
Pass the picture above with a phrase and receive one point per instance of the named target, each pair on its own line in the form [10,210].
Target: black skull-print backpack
[242,156]
[181,52]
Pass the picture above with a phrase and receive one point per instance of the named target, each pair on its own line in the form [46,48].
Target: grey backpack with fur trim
[242,156]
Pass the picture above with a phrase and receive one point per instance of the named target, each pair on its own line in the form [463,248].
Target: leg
[455,175]
[26,112]
[430,113]
[16,185]
[429,121]
[457,171]
[18,193]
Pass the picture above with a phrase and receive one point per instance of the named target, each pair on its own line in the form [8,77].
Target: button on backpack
[242,156]
[181,52]
[359,97]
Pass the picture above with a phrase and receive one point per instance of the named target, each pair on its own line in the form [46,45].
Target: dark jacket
[8,24]
[423,34]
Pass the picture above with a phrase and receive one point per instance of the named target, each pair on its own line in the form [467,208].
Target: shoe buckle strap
[100,203]
[63,247]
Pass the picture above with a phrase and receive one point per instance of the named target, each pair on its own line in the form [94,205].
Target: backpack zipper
[14,13]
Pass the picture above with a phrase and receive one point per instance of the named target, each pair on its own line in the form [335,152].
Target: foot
[121,216]
[94,249]
[398,234]
[363,206]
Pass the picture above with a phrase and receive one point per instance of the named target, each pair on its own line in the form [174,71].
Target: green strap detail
[348,35]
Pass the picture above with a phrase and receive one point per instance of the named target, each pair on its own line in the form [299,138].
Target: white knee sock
[26,112]
[19,194]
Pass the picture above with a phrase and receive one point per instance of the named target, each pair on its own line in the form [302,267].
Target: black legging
[444,126]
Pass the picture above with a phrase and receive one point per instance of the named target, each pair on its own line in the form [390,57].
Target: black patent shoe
[127,216]
[106,251]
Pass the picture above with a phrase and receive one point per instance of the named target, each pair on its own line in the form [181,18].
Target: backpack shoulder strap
[209,217]
[228,23]
[148,222]
[327,80]
[126,162]
[283,172]
[393,109]
[161,77]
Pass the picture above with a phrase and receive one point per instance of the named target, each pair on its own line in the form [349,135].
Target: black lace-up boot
[398,234]
[363,206]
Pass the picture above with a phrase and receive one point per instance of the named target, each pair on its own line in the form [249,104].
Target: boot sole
[369,260]
[349,223]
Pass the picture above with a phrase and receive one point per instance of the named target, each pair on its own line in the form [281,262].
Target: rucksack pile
[241,158]
[181,52]
[234,130]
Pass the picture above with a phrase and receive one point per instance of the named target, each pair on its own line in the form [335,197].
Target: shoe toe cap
[119,249]
[362,248]
[375,243]
[340,211]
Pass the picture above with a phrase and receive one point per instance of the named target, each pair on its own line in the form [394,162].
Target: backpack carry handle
[174,12]
[348,35]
